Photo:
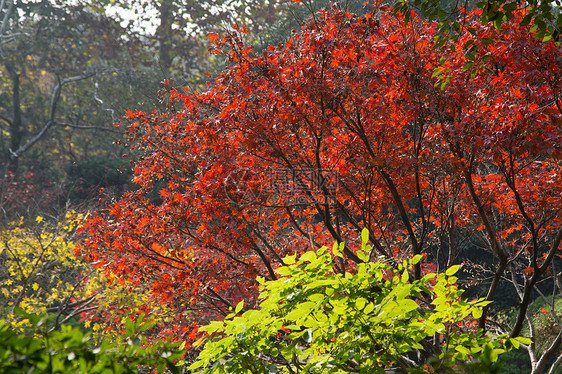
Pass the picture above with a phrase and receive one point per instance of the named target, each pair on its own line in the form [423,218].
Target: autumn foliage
[355,122]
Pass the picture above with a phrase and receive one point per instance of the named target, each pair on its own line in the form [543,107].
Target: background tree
[177,29]
[45,49]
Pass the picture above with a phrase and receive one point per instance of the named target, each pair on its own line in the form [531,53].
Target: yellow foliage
[119,300]
[39,269]
[40,273]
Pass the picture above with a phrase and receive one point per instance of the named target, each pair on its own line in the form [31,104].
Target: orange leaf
[213,37]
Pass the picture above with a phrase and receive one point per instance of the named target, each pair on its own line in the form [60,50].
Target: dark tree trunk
[164,34]
[16,128]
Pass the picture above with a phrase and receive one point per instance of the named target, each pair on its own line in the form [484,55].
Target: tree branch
[548,355]
[497,248]
[6,119]
[55,97]
[6,18]
[531,283]
[82,127]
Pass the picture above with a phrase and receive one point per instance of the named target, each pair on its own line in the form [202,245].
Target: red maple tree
[357,121]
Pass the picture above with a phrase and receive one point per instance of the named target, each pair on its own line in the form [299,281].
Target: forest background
[69,73]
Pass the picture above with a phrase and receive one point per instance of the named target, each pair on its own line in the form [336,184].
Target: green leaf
[365,236]
[405,276]
[523,340]
[147,326]
[139,320]
[476,313]
[540,24]
[465,351]
[319,317]
[239,307]
[416,259]
[452,270]
[527,19]
[308,336]
[33,318]
[511,343]
[335,250]
[468,65]
[289,260]
[437,72]
[408,305]
[510,6]
[284,270]
[486,41]
[495,354]
[212,327]
[363,256]
[360,303]
[369,308]
[316,298]
[309,256]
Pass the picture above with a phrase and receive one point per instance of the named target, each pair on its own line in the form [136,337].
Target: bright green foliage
[70,351]
[313,320]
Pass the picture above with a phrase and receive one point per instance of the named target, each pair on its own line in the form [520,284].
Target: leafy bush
[315,320]
[70,351]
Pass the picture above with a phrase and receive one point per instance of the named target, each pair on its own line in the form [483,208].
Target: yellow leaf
[39,219]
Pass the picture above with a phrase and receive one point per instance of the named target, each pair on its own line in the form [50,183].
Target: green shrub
[314,320]
[70,351]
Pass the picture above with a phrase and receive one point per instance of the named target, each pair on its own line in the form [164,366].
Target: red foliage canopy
[345,126]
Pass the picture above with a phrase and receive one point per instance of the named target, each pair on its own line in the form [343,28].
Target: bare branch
[55,97]
[6,119]
[549,354]
[84,127]
[6,17]
[555,365]
[529,285]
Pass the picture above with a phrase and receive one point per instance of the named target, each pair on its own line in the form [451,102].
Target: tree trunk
[16,128]
[164,34]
